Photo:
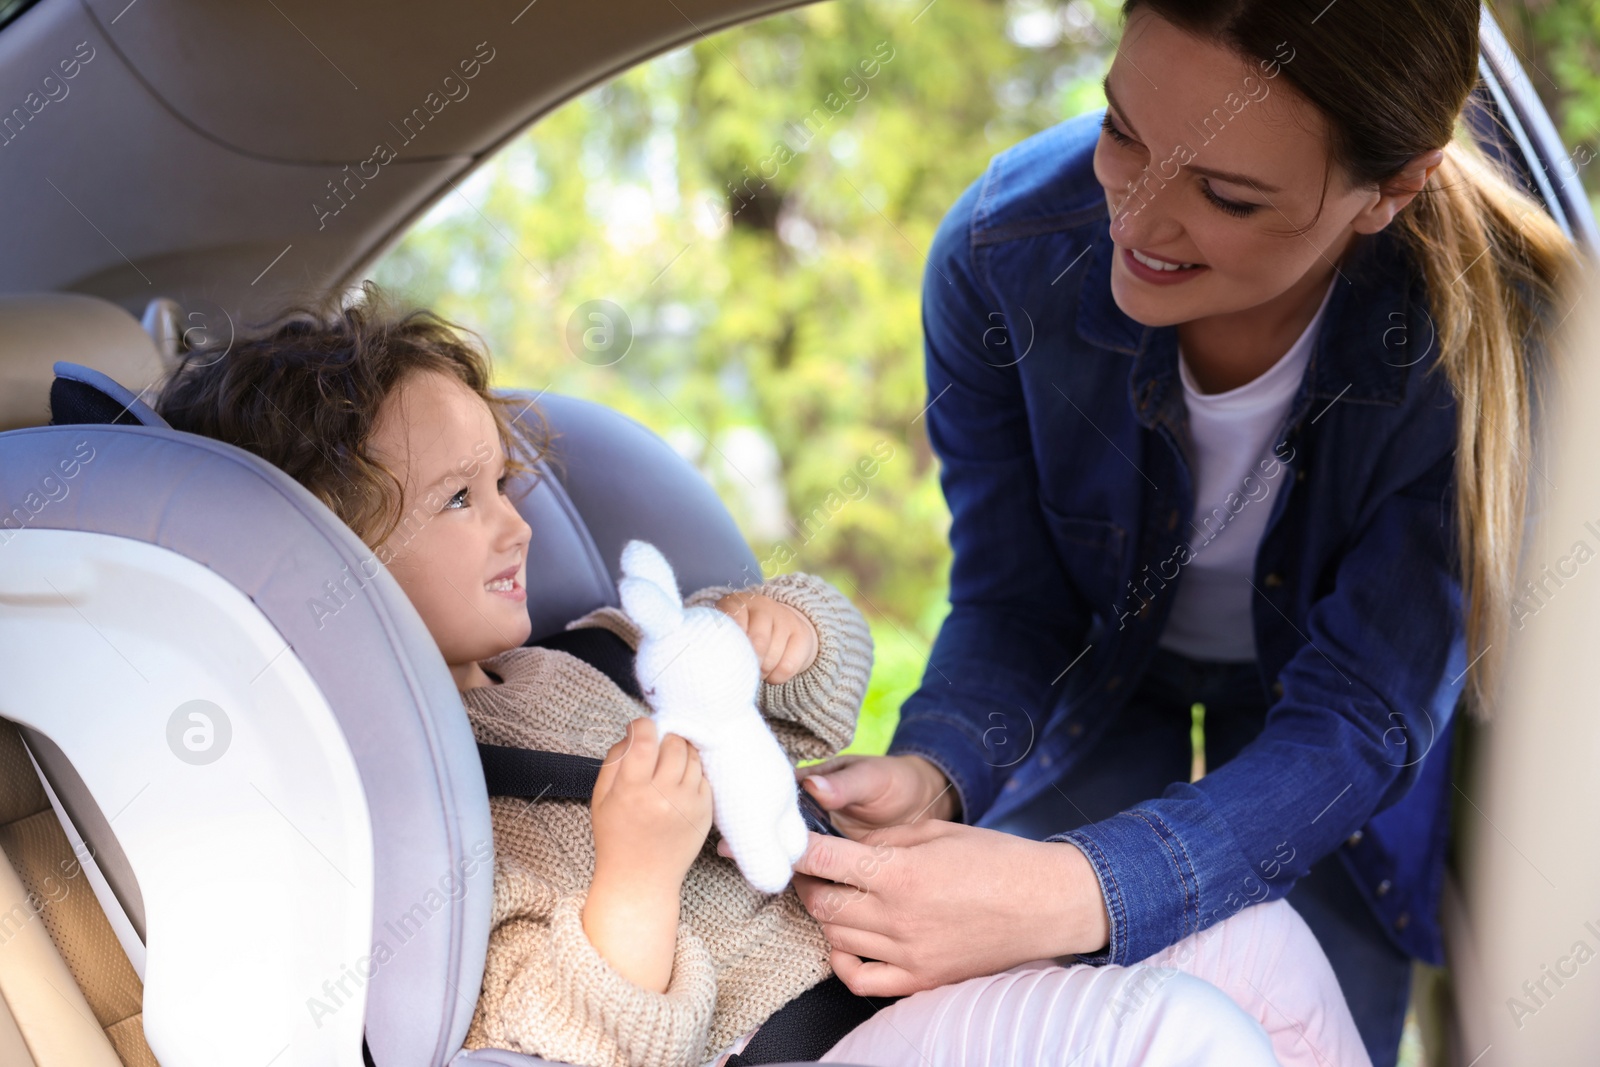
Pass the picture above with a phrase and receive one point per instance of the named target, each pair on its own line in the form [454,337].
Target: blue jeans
[1148,746]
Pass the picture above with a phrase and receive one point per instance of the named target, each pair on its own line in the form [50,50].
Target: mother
[1231,388]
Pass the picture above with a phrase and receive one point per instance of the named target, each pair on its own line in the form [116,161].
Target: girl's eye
[1116,134]
[459,501]
[1232,207]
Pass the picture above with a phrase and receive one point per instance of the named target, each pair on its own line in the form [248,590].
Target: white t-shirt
[1232,437]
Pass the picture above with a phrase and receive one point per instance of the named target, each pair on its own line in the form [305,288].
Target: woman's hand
[863,793]
[651,812]
[934,902]
[784,639]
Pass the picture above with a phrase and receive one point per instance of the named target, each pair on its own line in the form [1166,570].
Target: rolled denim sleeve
[1377,678]
[1015,621]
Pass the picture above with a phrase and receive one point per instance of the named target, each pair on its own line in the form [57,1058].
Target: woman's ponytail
[1495,266]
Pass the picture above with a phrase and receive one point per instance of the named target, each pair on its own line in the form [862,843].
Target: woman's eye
[501,484]
[457,501]
[1232,207]
[1116,134]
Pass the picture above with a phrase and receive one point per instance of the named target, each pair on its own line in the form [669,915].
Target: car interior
[196,175]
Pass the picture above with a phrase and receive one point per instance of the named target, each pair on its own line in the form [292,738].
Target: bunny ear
[641,559]
[656,612]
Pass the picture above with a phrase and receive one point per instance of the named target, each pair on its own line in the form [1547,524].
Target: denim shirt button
[1172,520]
[1112,682]
[1273,580]
[1277,691]
[1075,729]
[1402,920]
[1354,839]
[1300,475]
[1383,887]
[1044,759]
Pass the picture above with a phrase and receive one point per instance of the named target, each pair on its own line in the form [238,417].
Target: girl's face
[460,550]
[1214,160]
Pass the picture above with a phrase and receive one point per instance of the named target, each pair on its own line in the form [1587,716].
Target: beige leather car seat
[41,328]
[69,997]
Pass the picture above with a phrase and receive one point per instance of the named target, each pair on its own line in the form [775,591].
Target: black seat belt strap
[801,1030]
[809,1025]
[528,772]
[600,649]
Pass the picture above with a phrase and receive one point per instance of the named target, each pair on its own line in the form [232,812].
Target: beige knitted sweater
[741,954]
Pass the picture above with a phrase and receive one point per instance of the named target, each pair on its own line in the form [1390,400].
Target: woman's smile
[1158,271]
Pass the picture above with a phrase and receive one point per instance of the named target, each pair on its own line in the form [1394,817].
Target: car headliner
[190,155]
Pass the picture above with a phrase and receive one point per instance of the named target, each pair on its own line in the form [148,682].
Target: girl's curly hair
[303,392]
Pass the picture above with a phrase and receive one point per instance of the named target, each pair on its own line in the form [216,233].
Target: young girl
[619,935]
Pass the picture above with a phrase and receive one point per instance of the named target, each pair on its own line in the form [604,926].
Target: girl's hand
[651,807]
[784,639]
[864,793]
[651,812]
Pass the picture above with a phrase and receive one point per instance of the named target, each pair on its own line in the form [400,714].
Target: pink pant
[1254,989]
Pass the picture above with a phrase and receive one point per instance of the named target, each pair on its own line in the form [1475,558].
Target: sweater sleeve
[813,714]
[547,992]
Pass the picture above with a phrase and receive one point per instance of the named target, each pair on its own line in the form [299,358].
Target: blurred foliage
[756,208]
[1558,44]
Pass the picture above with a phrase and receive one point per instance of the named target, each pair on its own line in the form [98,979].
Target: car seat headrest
[84,395]
[612,480]
[237,554]
[37,329]
[307,758]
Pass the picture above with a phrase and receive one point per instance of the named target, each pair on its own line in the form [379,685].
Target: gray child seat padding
[400,713]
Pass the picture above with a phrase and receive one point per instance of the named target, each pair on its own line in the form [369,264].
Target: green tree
[1558,44]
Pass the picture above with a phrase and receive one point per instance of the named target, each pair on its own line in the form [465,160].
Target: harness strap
[801,1030]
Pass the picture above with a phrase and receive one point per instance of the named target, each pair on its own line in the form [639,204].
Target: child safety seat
[238,788]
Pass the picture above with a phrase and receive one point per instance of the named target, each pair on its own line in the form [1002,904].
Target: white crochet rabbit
[700,675]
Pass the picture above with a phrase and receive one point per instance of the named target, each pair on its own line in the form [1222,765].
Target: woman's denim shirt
[1057,420]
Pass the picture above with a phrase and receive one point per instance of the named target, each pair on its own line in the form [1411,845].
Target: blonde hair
[1498,269]
[1500,273]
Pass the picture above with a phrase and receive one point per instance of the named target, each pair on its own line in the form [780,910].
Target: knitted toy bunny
[700,675]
